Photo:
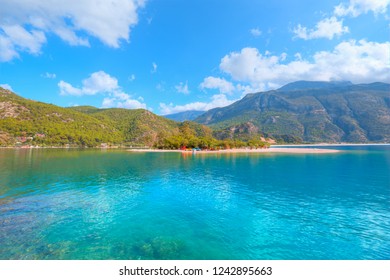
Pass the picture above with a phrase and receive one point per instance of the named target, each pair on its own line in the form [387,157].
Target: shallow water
[99,204]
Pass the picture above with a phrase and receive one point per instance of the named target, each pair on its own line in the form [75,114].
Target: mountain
[184,116]
[302,85]
[309,112]
[298,112]
[137,126]
[28,122]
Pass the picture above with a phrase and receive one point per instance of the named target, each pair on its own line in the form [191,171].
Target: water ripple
[116,205]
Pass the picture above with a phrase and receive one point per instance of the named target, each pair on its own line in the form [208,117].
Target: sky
[169,56]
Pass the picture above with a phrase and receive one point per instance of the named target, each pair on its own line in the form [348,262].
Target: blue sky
[172,55]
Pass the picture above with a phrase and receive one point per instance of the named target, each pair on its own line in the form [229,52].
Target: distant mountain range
[184,116]
[309,112]
[298,112]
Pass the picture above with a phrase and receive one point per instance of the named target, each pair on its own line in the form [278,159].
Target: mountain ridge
[297,112]
[300,85]
[189,115]
[29,122]
[332,113]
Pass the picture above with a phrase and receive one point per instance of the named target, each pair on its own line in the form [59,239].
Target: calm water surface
[94,204]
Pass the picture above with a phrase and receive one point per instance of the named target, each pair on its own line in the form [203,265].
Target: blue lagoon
[112,204]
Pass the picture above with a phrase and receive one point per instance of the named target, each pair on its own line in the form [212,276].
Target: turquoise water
[93,204]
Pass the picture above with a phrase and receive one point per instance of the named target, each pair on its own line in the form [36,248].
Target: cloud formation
[102,83]
[16,37]
[217,83]
[357,7]
[355,61]
[218,100]
[98,82]
[24,23]
[122,101]
[256,32]
[327,28]
[333,27]
[182,88]
[48,75]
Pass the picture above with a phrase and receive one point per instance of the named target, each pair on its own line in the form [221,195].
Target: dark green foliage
[138,126]
[85,109]
[27,122]
[47,124]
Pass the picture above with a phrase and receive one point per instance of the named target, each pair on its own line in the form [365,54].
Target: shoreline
[242,151]
[330,144]
[276,148]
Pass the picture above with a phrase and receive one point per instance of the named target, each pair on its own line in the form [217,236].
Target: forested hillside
[26,122]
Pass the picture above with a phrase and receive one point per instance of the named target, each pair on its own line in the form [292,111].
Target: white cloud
[360,61]
[6,86]
[108,102]
[254,87]
[154,68]
[98,82]
[327,28]
[48,75]
[249,65]
[70,37]
[256,32]
[218,100]
[21,39]
[182,88]
[15,38]
[132,78]
[68,89]
[7,50]
[102,83]
[24,23]
[120,95]
[298,56]
[217,83]
[356,61]
[357,7]
[120,99]
[131,104]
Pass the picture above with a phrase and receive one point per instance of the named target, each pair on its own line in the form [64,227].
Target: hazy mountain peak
[303,85]
[185,116]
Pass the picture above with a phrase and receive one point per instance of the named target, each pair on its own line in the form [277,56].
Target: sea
[102,204]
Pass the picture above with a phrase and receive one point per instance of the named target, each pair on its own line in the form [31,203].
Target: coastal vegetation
[192,135]
[26,122]
[300,112]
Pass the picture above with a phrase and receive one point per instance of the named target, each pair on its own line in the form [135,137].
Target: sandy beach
[290,150]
